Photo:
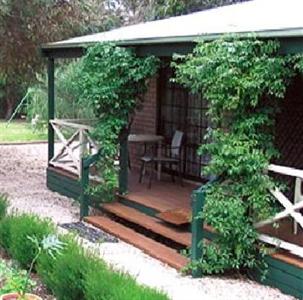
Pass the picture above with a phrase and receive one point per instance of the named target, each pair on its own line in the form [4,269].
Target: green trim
[63,185]
[198,201]
[123,162]
[51,106]
[281,275]
[278,264]
[84,183]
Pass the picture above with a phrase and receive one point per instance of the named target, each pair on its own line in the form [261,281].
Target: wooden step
[152,224]
[149,246]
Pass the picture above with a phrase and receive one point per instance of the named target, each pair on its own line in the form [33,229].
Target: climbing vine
[242,80]
[112,81]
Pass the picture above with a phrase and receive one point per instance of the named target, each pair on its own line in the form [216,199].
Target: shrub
[5,232]
[70,274]
[65,274]
[102,283]
[4,203]
[19,229]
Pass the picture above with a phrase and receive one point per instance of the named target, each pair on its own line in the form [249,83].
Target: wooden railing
[76,143]
[291,209]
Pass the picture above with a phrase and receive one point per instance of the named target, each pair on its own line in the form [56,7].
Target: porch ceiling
[266,18]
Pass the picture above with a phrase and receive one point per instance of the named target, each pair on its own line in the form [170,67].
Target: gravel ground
[22,177]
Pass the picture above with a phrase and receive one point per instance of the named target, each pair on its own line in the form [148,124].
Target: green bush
[102,283]
[4,203]
[72,274]
[65,274]
[5,232]
[20,228]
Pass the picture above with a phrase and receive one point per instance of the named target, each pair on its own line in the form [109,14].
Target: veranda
[168,210]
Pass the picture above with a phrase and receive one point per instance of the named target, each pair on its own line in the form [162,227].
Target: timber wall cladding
[145,122]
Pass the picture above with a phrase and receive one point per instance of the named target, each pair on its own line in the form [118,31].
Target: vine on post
[242,81]
[112,81]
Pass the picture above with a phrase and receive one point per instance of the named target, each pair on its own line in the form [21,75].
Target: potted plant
[20,282]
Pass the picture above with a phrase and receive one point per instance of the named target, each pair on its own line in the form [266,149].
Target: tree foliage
[112,82]
[134,11]
[25,25]
[241,80]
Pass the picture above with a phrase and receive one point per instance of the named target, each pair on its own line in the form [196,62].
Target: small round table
[149,139]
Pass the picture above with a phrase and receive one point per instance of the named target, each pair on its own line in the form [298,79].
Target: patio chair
[172,157]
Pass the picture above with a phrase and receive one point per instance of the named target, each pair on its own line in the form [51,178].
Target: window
[181,110]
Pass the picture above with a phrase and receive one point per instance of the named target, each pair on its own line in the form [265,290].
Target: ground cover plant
[243,82]
[20,131]
[71,273]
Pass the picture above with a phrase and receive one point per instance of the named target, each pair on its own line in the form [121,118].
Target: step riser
[142,208]
[153,227]
[148,233]
[150,247]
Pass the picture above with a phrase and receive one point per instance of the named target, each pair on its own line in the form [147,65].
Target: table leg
[159,165]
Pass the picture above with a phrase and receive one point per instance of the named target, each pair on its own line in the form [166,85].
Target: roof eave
[279,33]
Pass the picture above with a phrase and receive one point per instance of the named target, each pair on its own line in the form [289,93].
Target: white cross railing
[75,146]
[291,209]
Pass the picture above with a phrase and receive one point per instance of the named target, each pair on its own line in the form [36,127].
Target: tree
[25,25]
[134,11]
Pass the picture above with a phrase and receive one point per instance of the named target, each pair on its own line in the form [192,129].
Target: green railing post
[51,106]
[84,186]
[123,163]
[198,200]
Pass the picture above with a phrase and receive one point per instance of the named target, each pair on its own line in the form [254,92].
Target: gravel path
[22,177]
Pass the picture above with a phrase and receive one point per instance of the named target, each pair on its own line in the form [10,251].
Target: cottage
[164,207]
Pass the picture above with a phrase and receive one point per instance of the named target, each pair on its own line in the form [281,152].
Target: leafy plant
[19,281]
[241,80]
[13,279]
[19,228]
[112,82]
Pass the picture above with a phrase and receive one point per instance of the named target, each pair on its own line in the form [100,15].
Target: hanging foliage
[242,81]
[113,81]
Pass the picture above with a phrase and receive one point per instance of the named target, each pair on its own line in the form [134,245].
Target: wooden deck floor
[163,195]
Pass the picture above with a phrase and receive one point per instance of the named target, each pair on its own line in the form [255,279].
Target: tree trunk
[9,108]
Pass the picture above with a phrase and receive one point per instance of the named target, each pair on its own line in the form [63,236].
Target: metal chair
[172,156]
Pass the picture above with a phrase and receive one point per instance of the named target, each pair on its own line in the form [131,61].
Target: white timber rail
[291,209]
[75,141]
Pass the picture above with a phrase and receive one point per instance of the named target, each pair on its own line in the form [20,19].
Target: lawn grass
[19,131]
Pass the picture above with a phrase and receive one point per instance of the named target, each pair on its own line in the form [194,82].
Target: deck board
[163,195]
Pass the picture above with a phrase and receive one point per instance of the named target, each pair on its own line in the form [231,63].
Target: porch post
[51,106]
[198,200]
[123,163]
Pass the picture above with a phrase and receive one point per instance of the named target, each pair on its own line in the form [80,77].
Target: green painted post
[198,200]
[84,186]
[51,106]
[123,171]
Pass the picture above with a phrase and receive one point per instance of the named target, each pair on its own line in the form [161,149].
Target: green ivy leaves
[112,82]
[242,80]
